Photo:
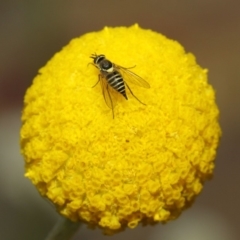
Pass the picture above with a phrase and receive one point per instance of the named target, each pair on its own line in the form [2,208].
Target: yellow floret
[145,165]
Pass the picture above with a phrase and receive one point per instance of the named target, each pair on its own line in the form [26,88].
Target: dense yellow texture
[145,165]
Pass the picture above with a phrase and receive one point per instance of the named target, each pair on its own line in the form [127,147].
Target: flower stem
[64,229]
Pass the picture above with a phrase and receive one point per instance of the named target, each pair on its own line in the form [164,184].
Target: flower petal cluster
[145,165]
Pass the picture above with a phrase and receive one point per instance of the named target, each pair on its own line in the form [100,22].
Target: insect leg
[110,100]
[99,77]
[128,67]
[133,94]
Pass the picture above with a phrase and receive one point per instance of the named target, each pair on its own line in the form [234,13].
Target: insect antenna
[93,55]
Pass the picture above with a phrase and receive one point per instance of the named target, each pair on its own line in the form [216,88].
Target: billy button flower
[145,165]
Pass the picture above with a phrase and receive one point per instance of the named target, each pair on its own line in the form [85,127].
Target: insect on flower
[114,78]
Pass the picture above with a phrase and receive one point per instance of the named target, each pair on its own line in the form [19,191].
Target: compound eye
[98,59]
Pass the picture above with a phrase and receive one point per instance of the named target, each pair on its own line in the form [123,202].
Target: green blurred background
[32,31]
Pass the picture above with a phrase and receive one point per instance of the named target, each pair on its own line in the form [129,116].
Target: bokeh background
[32,31]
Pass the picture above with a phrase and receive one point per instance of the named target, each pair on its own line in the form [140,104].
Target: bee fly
[114,78]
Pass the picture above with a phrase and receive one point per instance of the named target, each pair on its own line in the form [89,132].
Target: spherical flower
[146,164]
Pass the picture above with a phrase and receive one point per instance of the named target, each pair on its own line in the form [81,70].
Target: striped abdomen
[115,80]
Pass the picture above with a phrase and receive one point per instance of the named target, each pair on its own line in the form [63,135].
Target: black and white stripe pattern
[115,80]
[112,76]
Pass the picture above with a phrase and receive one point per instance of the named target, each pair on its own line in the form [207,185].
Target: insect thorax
[106,66]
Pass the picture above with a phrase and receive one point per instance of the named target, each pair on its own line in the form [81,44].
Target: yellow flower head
[145,165]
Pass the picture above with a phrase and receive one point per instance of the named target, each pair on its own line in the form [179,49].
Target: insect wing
[108,93]
[132,77]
